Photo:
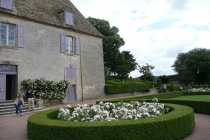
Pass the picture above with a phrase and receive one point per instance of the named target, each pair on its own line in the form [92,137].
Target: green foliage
[193,66]
[117,88]
[159,82]
[46,89]
[175,125]
[164,78]
[146,70]
[172,87]
[152,96]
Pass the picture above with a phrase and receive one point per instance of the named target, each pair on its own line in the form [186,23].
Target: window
[7,4]
[70,45]
[69,18]
[7,34]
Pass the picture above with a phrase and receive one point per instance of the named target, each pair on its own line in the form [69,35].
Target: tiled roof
[53,12]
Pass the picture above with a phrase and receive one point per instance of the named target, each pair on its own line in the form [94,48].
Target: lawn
[193,97]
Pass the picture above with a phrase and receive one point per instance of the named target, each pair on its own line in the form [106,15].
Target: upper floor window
[69,18]
[70,45]
[7,4]
[7,34]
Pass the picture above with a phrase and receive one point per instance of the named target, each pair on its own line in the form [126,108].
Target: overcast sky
[155,31]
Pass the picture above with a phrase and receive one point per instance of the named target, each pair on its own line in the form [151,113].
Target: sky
[154,31]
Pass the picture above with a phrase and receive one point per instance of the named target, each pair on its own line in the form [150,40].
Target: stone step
[11,109]
[9,112]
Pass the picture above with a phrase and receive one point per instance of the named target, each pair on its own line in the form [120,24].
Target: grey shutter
[21,36]
[10,4]
[4,3]
[62,43]
[78,46]
[70,72]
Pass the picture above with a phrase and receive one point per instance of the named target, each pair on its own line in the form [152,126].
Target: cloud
[155,31]
[178,4]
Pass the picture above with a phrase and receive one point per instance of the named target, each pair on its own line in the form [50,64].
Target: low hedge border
[126,88]
[196,93]
[174,125]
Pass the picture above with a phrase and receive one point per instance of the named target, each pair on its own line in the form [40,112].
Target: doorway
[71,95]
[11,86]
[8,82]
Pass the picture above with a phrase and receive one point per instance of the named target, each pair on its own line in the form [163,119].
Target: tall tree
[115,62]
[193,66]
[130,60]
[146,70]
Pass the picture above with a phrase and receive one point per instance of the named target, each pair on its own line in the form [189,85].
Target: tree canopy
[146,70]
[115,62]
[193,66]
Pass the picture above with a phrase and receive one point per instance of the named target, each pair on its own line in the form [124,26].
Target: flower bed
[176,124]
[199,90]
[112,111]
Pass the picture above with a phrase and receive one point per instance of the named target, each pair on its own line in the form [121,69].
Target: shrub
[46,89]
[126,88]
[174,125]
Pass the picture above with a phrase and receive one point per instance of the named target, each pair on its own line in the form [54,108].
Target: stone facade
[41,56]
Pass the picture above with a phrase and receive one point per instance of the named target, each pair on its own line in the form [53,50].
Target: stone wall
[41,57]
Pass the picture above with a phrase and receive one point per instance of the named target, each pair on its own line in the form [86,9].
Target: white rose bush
[199,90]
[112,111]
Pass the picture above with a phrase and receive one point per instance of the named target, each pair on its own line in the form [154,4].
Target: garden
[121,121]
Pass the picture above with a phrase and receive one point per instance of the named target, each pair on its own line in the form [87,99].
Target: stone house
[49,39]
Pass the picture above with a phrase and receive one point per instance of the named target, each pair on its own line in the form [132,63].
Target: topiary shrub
[174,125]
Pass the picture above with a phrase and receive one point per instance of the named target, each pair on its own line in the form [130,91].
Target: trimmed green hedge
[166,95]
[196,93]
[174,125]
[126,88]
[172,88]
[198,106]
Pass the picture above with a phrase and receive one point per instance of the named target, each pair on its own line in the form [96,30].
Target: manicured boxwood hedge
[166,95]
[196,93]
[177,124]
[172,88]
[126,87]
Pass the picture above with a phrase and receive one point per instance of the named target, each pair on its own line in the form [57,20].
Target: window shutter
[67,18]
[21,36]
[71,19]
[73,71]
[9,4]
[78,46]
[63,43]
[70,72]
[4,3]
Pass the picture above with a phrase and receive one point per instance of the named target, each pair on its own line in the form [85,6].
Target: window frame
[7,34]
[70,44]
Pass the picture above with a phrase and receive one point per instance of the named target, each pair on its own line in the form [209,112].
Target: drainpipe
[81,70]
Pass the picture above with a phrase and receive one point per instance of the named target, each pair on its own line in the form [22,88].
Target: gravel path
[15,128]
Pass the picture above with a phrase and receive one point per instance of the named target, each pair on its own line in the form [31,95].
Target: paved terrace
[15,128]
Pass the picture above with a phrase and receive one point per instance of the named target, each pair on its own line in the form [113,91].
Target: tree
[164,78]
[193,66]
[129,58]
[145,70]
[115,62]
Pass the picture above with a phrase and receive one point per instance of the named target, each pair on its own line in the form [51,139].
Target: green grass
[193,97]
